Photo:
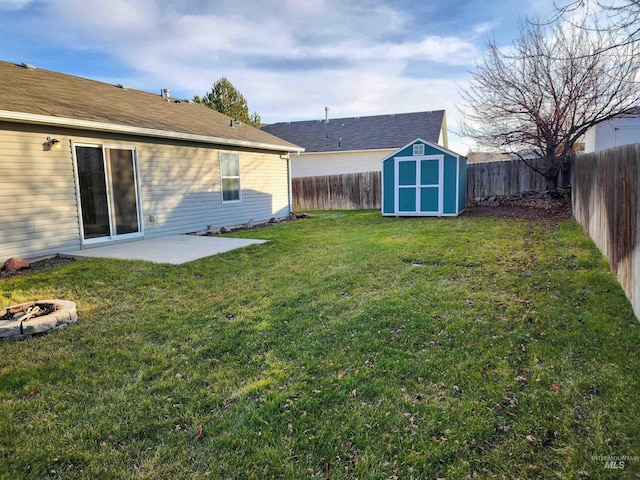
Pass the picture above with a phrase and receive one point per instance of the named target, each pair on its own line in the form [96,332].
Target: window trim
[223,177]
[418,152]
[105,147]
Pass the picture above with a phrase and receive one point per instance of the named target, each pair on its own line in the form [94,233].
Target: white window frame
[418,149]
[108,179]
[222,177]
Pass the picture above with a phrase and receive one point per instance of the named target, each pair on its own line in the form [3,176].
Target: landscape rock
[9,328]
[15,264]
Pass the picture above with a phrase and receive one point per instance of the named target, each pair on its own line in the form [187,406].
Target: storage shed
[423,179]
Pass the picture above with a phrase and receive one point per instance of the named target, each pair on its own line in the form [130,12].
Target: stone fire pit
[32,318]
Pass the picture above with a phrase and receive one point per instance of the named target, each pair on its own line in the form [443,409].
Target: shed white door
[419,185]
[108,187]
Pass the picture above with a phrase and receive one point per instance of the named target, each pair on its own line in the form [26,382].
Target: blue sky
[290,58]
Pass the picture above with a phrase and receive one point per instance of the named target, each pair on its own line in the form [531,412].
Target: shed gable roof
[361,133]
[432,145]
[46,97]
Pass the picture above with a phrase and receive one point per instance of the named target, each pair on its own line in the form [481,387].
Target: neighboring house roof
[361,133]
[44,97]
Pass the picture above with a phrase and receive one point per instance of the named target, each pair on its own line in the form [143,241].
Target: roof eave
[37,119]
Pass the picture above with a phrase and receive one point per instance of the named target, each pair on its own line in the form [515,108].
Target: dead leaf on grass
[33,394]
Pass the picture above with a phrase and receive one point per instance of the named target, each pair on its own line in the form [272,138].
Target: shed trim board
[413,177]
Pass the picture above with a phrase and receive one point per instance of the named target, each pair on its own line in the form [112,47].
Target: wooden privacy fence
[348,191]
[606,189]
[355,191]
[505,178]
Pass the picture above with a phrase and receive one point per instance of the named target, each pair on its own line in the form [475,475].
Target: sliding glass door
[108,188]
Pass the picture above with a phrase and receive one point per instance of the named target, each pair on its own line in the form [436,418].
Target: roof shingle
[361,133]
[43,92]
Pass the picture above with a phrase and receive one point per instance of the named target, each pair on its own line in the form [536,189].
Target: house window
[418,149]
[230,176]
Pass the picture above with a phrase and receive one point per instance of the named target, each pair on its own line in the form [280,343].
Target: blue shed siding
[462,184]
[449,186]
[388,190]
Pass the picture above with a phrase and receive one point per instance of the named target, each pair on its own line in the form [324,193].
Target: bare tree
[622,19]
[539,97]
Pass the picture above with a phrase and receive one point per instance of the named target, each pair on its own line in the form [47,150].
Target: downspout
[290,184]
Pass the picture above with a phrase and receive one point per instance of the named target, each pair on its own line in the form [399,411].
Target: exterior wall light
[54,143]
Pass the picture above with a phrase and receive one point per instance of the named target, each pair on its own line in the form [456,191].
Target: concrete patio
[174,249]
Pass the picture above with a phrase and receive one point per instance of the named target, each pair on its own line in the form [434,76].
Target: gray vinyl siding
[179,185]
[38,211]
[185,195]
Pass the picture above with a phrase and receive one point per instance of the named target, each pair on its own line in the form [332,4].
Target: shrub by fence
[505,178]
[348,191]
[606,189]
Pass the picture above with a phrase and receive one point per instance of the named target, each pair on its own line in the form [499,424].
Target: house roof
[361,133]
[38,96]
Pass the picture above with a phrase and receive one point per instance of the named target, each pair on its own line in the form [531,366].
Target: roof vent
[165,93]
[28,66]
[123,87]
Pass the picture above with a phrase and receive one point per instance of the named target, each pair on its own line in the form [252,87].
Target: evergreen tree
[225,98]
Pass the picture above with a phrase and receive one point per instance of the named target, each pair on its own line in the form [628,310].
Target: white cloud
[289,58]
[188,45]
[482,28]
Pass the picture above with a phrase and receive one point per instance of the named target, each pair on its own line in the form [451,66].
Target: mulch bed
[39,266]
[552,214]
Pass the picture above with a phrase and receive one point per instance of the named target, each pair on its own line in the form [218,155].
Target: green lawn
[349,346]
